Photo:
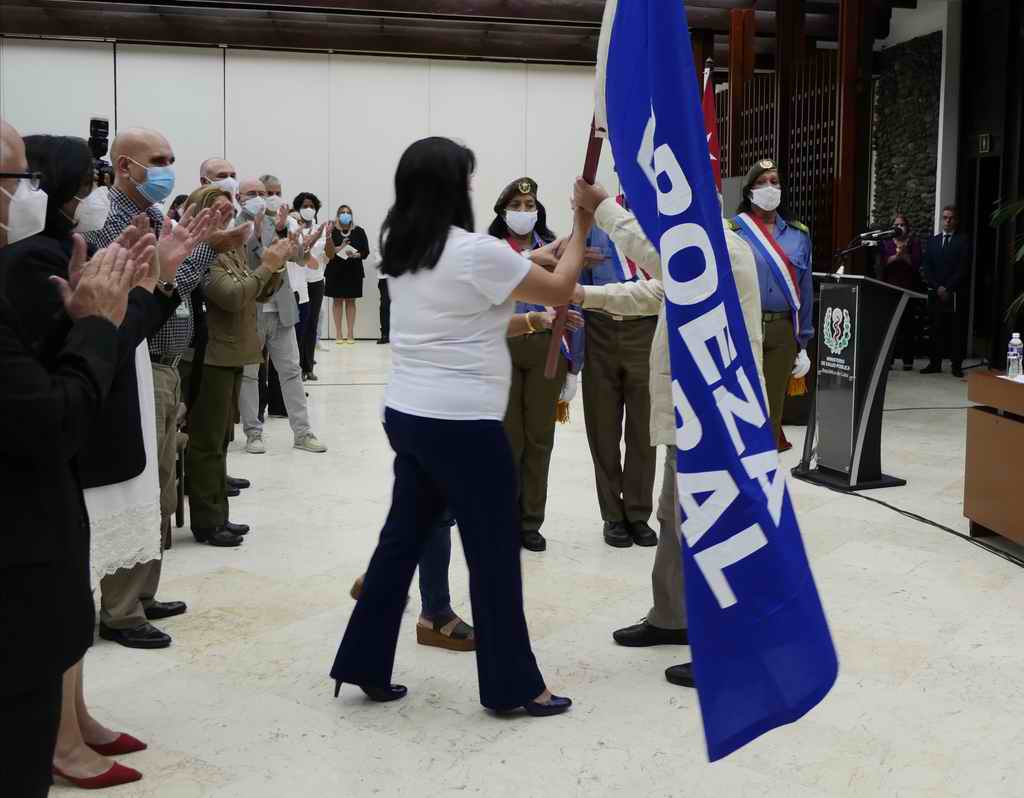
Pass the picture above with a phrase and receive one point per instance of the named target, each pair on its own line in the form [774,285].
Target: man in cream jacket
[666,621]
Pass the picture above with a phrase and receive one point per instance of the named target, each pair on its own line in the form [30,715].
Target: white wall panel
[379,106]
[559,106]
[56,86]
[276,116]
[483,106]
[180,92]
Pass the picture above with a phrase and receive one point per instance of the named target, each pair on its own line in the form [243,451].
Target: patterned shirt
[176,334]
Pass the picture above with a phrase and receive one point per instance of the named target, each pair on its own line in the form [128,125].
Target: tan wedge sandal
[453,634]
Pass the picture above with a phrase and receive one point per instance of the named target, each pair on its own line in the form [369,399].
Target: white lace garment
[125,517]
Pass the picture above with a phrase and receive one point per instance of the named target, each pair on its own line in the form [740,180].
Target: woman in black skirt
[347,248]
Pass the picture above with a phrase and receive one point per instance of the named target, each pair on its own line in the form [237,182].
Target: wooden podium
[993,495]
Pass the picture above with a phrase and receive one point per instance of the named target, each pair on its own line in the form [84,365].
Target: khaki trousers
[780,350]
[210,428]
[669,610]
[616,379]
[125,594]
[530,423]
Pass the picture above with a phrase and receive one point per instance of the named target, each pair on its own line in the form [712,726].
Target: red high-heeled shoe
[117,775]
[124,744]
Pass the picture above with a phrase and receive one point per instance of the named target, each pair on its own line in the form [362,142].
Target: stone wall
[906,135]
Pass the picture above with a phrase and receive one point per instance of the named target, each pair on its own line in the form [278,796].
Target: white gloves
[569,389]
[802,364]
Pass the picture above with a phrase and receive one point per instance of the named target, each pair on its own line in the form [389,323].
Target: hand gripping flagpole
[562,311]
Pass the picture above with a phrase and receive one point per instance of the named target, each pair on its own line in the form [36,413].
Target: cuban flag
[762,652]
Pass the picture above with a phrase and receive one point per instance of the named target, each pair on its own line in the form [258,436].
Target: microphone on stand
[880,235]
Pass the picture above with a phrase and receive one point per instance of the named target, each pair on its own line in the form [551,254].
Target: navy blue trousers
[466,467]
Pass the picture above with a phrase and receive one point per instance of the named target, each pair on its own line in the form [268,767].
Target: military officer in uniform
[782,252]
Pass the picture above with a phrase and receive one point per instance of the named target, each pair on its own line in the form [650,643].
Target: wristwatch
[166,287]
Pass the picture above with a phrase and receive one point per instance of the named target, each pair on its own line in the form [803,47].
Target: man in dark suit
[47,404]
[945,269]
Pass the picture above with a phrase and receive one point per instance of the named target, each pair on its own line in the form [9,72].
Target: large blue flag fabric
[762,652]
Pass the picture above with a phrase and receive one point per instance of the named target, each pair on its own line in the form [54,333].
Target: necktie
[945,240]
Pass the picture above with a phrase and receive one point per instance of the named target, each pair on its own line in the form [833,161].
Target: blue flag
[762,652]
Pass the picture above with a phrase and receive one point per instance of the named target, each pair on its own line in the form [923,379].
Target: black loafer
[233,492]
[379,694]
[217,536]
[958,372]
[533,540]
[156,610]
[237,529]
[931,368]
[616,534]
[555,706]
[238,483]
[681,675]
[642,533]
[643,634]
[145,636]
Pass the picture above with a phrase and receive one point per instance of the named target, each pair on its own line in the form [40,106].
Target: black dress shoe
[643,634]
[533,540]
[642,533]
[238,483]
[233,492]
[236,529]
[681,675]
[156,610]
[908,366]
[616,534]
[380,694]
[145,636]
[556,706]
[217,536]
[958,372]
[932,368]
[383,341]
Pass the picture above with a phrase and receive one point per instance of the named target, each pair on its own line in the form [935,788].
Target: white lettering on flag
[701,286]
[713,325]
[691,431]
[732,407]
[700,517]
[759,466]
[715,559]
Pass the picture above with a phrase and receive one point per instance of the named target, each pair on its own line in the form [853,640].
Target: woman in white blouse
[453,292]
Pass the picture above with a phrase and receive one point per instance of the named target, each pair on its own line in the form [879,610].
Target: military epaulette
[799,226]
[732,224]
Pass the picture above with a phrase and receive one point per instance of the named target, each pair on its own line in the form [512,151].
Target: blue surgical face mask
[159,183]
[345,218]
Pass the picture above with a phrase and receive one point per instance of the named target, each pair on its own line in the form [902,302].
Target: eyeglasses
[35,179]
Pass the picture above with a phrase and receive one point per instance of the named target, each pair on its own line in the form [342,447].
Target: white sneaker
[255,445]
[309,443]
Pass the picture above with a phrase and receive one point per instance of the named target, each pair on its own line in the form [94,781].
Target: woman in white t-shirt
[453,294]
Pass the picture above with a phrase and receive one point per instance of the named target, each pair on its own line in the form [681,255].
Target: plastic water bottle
[1014,355]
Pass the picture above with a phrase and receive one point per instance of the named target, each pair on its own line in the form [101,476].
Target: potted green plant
[1003,214]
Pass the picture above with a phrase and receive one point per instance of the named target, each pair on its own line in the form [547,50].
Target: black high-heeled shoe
[380,694]
[556,706]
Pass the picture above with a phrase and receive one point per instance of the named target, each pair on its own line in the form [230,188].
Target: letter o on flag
[691,290]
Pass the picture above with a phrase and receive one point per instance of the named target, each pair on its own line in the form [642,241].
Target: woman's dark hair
[499,229]
[301,197]
[431,196]
[175,210]
[65,163]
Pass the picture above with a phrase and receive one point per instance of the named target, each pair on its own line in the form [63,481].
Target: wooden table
[994,470]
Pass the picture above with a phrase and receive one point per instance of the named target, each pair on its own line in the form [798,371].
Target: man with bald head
[48,401]
[219,172]
[143,163]
[276,322]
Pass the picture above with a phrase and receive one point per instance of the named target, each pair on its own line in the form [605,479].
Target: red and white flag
[711,128]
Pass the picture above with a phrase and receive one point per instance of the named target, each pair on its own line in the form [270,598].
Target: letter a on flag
[762,652]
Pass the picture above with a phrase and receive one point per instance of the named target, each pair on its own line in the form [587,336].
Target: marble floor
[930,632]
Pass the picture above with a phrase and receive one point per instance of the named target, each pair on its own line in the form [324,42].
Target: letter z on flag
[762,652]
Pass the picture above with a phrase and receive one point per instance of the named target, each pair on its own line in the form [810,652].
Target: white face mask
[274,203]
[521,222]
[767,198]
[254,206]
[26,215]
[308,214]
[229,184]
[92,211]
